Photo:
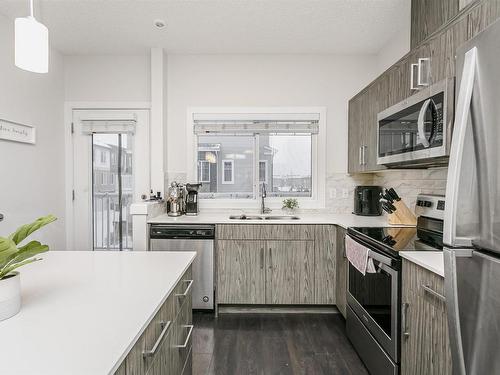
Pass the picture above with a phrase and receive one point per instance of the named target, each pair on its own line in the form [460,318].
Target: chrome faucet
[263,194]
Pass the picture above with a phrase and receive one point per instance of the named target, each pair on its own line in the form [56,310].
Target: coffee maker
[192,207]
[176,199]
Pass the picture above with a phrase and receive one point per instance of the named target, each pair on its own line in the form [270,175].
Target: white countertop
[82,311]
[343,220]
[431,260]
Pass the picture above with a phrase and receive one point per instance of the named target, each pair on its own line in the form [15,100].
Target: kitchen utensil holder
[402,215]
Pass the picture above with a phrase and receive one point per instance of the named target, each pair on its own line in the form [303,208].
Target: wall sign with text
[13,131]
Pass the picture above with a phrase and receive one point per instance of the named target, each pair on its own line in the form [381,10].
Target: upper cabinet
[439,28]
[427,16]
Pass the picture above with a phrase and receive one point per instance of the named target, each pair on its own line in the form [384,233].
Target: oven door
[416,128]
[374,298]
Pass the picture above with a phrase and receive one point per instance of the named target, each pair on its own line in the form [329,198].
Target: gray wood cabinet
[341,274]
[427,16]
[325,265]
[425,347]
[290,272]
[169,329]
[241,273]
[275,264]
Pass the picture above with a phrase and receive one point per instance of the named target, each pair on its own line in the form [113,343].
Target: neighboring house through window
[228,168]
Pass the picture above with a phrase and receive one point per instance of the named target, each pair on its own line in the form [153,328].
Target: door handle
[421,63]
[432,292]
[190,285]
[152,351]
[412,76]
[190,327]
[457,150]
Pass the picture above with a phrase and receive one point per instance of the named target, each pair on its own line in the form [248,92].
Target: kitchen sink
[281,218]
[246,217]
[258,217]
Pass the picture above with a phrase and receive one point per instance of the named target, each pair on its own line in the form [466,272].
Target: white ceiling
[218,26]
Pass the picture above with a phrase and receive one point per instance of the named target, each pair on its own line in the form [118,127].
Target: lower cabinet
[425,347]
[265,272]
[341,274]
[164,347]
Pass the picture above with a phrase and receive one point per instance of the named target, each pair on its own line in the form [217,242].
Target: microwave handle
[421,122]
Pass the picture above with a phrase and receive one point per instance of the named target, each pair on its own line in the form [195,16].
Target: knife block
[402,215]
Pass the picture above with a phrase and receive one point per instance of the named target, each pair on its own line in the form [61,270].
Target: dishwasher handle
[191,232]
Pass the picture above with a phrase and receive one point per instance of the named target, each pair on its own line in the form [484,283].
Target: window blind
[256,123]
[109,126]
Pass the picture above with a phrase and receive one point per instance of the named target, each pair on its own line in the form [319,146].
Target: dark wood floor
[262,344]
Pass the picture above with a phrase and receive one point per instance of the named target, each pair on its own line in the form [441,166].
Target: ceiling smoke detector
[160,24]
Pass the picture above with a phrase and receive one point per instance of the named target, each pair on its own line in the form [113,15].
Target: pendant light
[31,44]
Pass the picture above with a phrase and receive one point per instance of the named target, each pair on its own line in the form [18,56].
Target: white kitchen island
[83,311]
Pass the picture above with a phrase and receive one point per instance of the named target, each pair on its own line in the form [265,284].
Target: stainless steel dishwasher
[199,238]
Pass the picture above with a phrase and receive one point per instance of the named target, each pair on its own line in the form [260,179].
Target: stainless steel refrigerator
[472,215]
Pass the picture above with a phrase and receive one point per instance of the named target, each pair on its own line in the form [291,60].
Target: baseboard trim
[268,309]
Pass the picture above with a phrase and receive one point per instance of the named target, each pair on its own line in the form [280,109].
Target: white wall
[394,49]
[264,80]
[107,78]
[32,176]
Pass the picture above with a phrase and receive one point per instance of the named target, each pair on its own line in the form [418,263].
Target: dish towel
[357,255]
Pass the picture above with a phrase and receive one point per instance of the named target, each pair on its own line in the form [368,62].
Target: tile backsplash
[408,183]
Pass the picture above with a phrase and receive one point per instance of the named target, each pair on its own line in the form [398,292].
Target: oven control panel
[430,205]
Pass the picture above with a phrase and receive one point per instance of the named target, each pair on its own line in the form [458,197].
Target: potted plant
[13,256]
[290,205]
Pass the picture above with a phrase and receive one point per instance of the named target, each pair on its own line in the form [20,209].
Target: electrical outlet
[345,193]
[333,193]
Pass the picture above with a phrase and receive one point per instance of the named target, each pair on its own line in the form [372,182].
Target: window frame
[266,171]
[318,158]
[200,162]
[223,180]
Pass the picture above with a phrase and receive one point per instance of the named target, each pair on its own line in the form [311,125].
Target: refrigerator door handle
[450,280]
[457,146]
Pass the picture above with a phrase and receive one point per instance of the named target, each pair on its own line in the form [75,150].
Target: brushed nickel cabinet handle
[270,258]
[432,292]
[187,289]
[261,258]
[412,76]
[404,312]
[360,156]
[190,326]
[152,351]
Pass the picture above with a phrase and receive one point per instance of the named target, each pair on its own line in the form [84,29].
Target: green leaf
[6,271]
[24,231]
[6,244]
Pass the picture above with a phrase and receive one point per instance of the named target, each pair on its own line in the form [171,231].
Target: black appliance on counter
[366,201]
[192,206]
[374,300]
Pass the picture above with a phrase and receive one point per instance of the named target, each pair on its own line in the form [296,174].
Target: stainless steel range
[374,299]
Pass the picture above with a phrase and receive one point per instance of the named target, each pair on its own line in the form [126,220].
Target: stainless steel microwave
[417,131]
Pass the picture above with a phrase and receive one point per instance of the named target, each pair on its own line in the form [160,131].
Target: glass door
[112,191]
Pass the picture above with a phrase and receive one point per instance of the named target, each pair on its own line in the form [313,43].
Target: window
[226,166]
[289,157]
[103,156]
[204,171]
[237,152]
[228,171]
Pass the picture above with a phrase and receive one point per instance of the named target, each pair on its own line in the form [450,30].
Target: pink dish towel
[357,255]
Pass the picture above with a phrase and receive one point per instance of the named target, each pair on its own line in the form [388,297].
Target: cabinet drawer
[264,232]
[161,331]
[414,277]
[182,337]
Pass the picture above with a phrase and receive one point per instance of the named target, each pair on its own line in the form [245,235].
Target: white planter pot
[10,296]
